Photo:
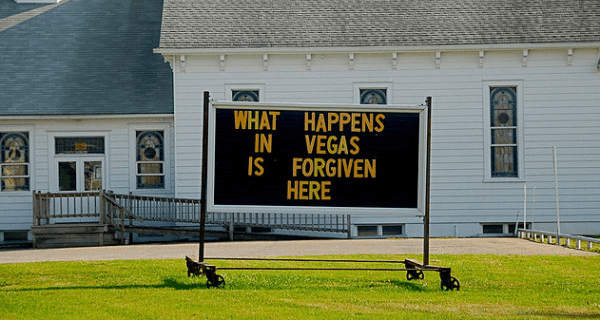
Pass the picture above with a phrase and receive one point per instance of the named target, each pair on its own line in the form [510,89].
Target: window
[14,161]
[150,160]
[493,228]
[373,96]
[79,162]
[503,126]
[503,131]
[393,230]
[79,145]
[367,231]
[245,95]
[502,228]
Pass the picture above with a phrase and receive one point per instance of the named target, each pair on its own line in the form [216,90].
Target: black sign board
[309,158]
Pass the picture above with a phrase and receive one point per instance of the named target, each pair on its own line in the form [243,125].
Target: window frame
[133,163]
[387,86]
[80,158]
[229,88]
[487,132]
[28,164]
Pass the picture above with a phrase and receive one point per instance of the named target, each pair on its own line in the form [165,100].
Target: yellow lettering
[347,167]
[370,168]
[319,166]
[331,145]
[321,144]
[344,120]
[264,121]
[274,114]
[303,190]
[296,166]
[355,148]
[309,120]
[307,168]
[321,126]
[332,118]
[367,122]
[292,190]
[330,168]
[240,118]
[310,143]
[263,142]
[253,120]
[255,163]
[358,168]
[308,190]
[355,126]
[325,190]
[379,119]
[343,147]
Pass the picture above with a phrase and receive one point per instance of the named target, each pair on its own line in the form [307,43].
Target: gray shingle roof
[84,57]
[373,23]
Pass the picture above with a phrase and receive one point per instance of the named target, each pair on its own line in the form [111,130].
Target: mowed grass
[492,287]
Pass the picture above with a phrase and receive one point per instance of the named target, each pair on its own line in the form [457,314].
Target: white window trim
[30,164]
[260,87]
[55,158]
[487,143]
[165,128]
[373,85]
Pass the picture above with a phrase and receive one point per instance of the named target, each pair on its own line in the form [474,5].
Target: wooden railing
[97,207]
[123,211]
[554,238]
[48,206]
[162,209]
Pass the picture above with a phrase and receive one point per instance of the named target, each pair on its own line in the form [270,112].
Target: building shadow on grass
[167,283]
[200,283]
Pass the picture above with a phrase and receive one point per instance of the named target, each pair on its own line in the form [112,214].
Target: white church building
[509,81]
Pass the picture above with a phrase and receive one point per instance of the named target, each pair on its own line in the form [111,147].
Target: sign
[282,158]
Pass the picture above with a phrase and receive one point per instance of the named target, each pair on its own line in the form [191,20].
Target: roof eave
[165,51]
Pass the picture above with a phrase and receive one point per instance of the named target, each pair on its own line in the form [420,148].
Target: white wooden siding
[561,106]
[16,207]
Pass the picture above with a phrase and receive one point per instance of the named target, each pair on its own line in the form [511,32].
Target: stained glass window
[245,95]
[14,161]
[373,96]
[150,160]
[503,125]
[79,145]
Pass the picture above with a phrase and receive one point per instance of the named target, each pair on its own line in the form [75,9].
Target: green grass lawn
[492,286]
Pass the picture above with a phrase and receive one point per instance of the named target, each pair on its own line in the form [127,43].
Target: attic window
[245,95]
[373,96]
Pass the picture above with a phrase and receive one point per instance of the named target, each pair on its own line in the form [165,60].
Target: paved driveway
[252,249]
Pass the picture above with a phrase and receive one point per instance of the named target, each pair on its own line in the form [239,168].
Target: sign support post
[427,187]
[204,176]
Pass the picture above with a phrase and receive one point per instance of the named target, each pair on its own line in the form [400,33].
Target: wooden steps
[73,235]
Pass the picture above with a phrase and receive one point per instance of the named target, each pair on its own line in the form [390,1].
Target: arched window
[150,160]
[245,95]
[14,161]
[373,96]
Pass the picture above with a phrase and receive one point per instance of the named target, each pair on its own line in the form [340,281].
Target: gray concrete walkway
[291,248]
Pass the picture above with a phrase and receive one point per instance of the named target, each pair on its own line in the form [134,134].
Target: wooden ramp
[65,220]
